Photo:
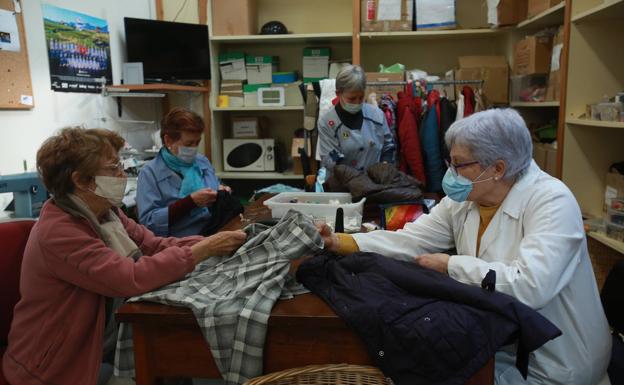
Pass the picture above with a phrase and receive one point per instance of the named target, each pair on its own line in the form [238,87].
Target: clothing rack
[437,82]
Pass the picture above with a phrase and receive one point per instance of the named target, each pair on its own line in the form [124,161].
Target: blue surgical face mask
[458,187]
[187,154]
[351,108]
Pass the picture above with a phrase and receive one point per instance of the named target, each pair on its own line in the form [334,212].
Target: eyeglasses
[454,167]
[115,168]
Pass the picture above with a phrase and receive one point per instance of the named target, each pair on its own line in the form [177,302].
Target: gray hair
[497,134]
[351,78]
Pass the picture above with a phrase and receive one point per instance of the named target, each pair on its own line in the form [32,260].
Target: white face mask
[187,154]
[112,188]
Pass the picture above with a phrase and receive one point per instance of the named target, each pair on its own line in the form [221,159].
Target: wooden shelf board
[289,38]
[595,123]
[444,34]
[156,87]
[285,108]
[610,9]
[612,243]
[258,175]
[548,18]
[535,104]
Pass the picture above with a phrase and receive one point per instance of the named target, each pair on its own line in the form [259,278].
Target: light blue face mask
[458,187]
[187,154]
[352,108]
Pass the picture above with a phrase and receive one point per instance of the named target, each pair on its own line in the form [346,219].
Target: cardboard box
[385,78]
[435,14]
[554,79]
[545,155]
[386,15]
[472,14]
[532,55]
[493,70]
[508,12]
[260,69]
[614,188]
[234,17]
[538,6]
[250,127]
[232,66]
[315,64]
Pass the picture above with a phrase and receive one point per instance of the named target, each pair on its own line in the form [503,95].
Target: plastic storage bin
[615,231]
[615,216]
[320,206]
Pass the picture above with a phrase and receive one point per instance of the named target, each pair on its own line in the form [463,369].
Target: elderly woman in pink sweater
[82,258]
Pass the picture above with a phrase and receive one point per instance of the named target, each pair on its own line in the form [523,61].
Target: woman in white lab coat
[503,213]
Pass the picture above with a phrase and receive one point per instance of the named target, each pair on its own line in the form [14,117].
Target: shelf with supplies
[258,175]
[443,34]
[311,38]
[548,18]
[608,10]
[595,123]
[534,104]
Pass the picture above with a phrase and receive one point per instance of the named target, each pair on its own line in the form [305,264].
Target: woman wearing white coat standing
[503,213]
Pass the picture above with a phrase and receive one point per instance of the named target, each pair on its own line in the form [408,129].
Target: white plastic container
[320,206]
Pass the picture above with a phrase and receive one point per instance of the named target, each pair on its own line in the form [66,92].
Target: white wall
[22,132]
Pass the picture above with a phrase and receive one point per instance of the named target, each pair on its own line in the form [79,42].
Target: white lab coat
[537,246]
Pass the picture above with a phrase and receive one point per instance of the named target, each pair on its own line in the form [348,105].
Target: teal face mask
[352,108]
[458,187]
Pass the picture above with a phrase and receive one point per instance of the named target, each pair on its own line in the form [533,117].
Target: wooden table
[301,331]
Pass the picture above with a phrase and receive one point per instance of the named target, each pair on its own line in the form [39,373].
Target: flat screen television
[168,50]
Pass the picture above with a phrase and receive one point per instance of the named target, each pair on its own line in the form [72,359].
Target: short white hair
[351,78]
[496,134]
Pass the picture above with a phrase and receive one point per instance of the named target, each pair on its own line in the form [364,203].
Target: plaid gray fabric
[232,297]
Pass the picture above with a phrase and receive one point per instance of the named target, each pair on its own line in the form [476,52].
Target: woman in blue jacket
[176,188]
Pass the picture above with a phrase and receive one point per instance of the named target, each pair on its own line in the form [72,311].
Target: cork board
[14,70]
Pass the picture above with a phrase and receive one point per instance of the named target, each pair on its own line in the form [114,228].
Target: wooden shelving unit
[595,123]
[289,38]
[612,243]
[609,10]
[285,108]
[416,35]
[550,17]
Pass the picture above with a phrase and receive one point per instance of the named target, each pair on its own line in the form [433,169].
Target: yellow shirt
[486,214]
[347,244]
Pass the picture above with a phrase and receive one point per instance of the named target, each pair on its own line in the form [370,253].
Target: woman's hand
[204,197]
[330,239]
[225,188]
[221,243]
[437,262]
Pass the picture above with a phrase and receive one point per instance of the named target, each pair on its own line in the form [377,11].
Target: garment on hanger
[460,107]
[410,149]
[430,139]
[469,101]
[448,112]
[479,102]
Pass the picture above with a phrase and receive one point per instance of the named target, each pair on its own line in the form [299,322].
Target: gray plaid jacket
[232,297]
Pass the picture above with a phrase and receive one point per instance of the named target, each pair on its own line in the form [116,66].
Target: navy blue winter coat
[421,326]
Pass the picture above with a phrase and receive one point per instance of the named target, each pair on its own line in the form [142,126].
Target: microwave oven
[249,154]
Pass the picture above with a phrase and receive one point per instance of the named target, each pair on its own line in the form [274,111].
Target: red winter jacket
[410,156]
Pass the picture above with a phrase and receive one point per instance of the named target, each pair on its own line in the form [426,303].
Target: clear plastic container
[596,225]
[617,204]
[615,231]
[615,216]
[320,206]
